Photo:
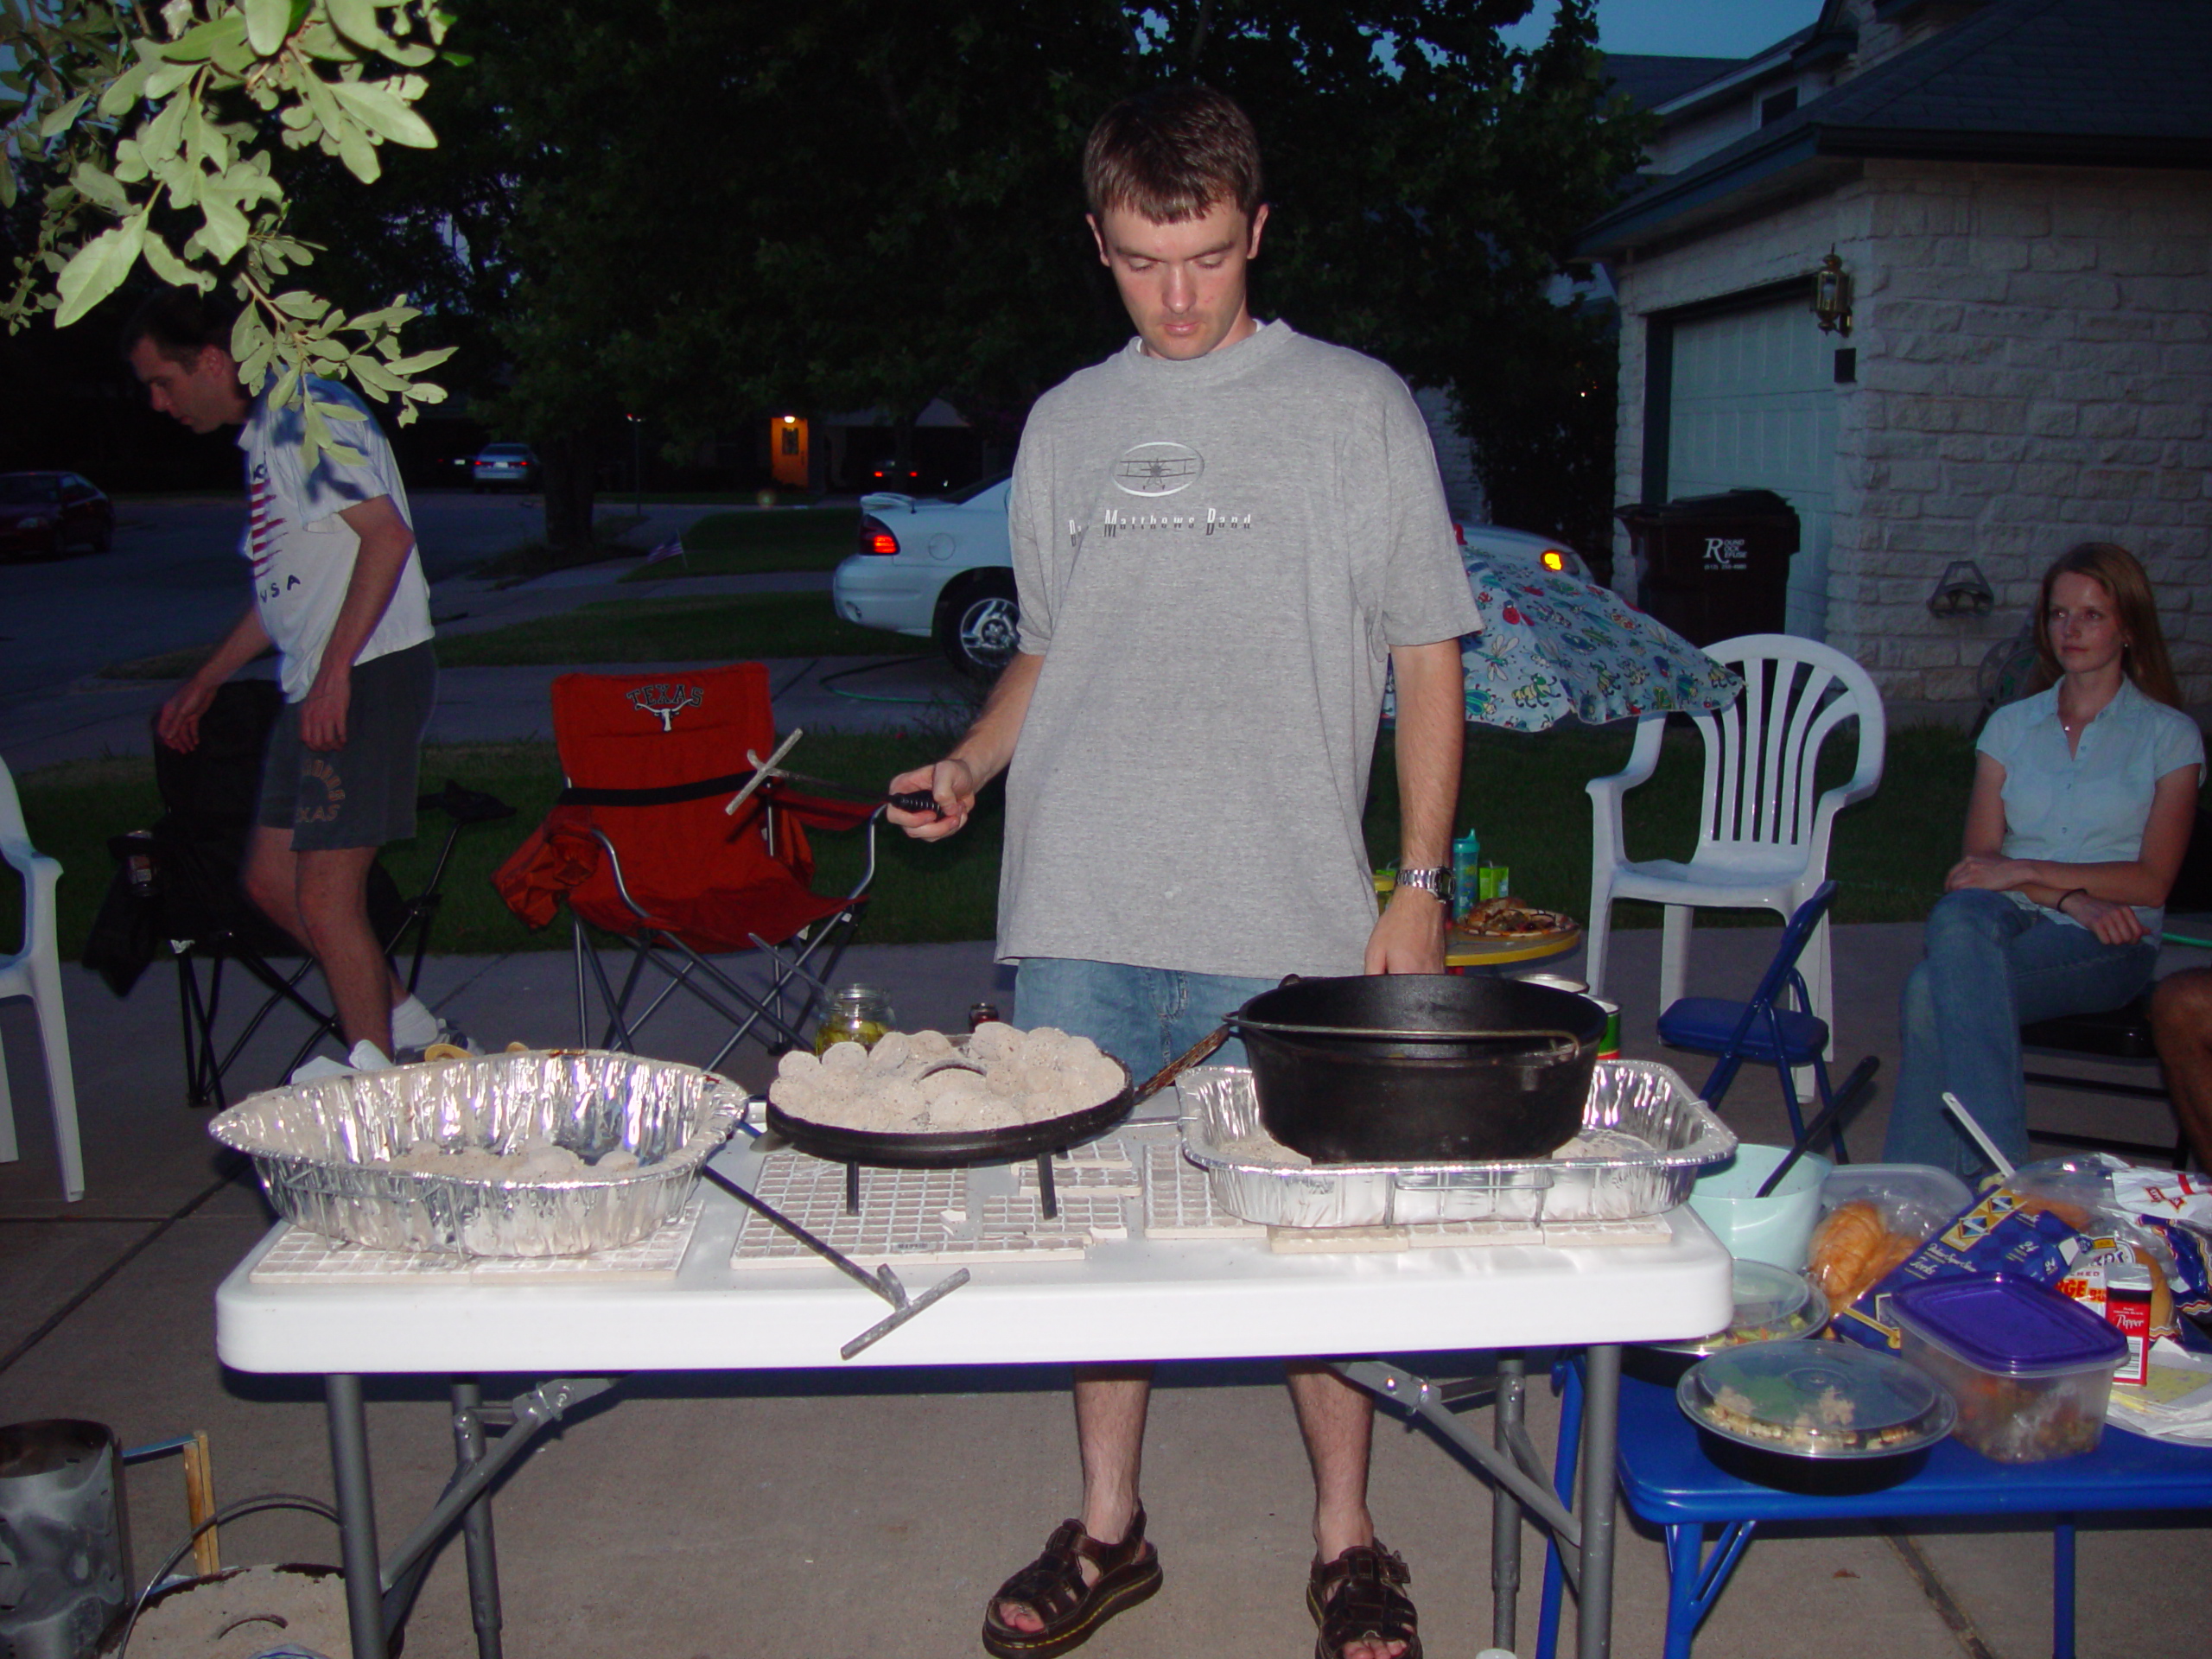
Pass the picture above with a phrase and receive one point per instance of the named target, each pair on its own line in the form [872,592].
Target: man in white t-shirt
[339,590]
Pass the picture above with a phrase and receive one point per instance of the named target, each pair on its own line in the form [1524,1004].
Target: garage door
[1754,407]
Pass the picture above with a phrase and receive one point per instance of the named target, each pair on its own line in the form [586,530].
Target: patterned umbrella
[1553,647]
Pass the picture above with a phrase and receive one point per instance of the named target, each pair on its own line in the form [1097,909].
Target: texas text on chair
[639,843]
[1762,832]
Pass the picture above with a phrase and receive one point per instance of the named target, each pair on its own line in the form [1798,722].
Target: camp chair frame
[788,1030]
[200,1004]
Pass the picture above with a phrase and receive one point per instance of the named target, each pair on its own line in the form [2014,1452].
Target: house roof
[1648,81]
[2097,83]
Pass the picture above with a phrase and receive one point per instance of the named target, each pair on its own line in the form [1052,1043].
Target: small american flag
[672,549]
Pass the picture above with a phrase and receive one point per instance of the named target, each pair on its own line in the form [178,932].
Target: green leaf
[100,188]
[7,183]
[422,362]
[298,302]
[166,265]
[355,150]
[61,120]
[224,231]
[99,269]
[267,23]
[357,20]
[372,103]
[198,45]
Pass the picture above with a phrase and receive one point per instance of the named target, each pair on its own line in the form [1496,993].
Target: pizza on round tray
[1509,918]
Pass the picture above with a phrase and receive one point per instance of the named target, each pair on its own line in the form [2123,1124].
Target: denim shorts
[361,794]
[1144,1017]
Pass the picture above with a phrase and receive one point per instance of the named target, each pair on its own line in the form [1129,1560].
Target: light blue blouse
[2088,807]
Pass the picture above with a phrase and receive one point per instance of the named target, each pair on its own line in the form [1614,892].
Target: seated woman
[2084,796]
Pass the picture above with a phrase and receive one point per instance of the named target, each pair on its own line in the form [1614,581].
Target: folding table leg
[1505,1510]
[2061,1588]
[476,1521]
[357,1514]
[1600,1430]
[1564,1467]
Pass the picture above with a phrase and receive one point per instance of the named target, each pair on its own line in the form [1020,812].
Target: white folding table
[1128,1300]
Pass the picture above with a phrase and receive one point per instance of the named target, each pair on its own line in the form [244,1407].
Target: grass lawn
[742,543]
[673,630]
[1524,793]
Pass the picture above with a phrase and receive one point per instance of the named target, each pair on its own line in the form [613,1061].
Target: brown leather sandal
[1356,1597]
[1053,1587]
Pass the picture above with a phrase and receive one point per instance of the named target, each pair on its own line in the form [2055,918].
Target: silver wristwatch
[1437,880]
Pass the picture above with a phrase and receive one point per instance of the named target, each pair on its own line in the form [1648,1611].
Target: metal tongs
[883,1281]
[913,800]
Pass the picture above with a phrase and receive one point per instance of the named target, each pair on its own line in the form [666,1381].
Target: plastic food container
[2031,1371]
[1920,1193]
[1772,1304]
[1815,1400]
[1775,1229]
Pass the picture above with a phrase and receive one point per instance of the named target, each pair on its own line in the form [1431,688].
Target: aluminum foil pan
[1611,1178]
[317,1147]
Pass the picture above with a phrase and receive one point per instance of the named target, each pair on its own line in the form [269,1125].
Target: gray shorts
[363,794]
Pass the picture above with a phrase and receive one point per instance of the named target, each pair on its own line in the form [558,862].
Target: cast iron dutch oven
[1420,1068]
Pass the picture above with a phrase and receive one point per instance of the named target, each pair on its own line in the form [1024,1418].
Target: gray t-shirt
[1215,557]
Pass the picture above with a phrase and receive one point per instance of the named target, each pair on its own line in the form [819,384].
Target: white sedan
[939,568]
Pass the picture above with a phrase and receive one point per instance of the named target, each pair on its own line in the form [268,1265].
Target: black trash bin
[1715,566]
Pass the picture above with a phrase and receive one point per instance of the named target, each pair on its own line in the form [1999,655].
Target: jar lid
[2007,1326]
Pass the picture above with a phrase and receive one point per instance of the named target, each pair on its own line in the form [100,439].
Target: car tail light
[1458,532]
[876,537]
[1552,559]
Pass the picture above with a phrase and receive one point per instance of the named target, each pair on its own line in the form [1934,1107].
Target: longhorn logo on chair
[667,701]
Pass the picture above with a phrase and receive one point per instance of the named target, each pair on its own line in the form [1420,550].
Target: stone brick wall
[2034,369]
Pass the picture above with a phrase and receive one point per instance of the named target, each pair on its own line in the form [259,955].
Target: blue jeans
[1992,967]
[1144,1017]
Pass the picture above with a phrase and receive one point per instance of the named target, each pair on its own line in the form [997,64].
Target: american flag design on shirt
[262,522]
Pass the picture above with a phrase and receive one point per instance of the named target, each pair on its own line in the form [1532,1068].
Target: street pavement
[172,581]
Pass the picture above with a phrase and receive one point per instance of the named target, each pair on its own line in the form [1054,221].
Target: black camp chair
[175,891]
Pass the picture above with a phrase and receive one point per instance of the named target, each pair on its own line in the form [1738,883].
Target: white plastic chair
[35,972]
[1763,837]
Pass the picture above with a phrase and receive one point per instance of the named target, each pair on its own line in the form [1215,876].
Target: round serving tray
[1007,1145]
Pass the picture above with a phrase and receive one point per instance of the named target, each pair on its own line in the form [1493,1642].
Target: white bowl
[1775,1229]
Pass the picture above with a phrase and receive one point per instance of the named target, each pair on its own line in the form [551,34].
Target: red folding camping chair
[639,843]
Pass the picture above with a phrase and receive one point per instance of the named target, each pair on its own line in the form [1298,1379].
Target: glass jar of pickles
[857,1013]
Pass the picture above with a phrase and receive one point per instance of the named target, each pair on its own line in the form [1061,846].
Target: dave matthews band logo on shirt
[1115,522]
[667,701]
[1158,469]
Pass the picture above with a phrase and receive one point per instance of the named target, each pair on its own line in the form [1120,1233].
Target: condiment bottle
[982,1014]
[858,1013]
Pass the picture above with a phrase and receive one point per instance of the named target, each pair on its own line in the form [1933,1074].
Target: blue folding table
[1667,1480]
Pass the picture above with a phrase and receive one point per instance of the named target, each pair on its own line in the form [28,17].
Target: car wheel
[59,549]
[104,538]
[978,623]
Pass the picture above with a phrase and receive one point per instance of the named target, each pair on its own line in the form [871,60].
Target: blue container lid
[2007,1326]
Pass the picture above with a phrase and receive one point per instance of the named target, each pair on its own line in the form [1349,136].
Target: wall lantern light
[791,420]
[1831,294]
[1961,590]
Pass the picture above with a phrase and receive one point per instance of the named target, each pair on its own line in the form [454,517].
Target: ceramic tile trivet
[901,1219]
[299,1257]
[1178,1199]
[1102,1166]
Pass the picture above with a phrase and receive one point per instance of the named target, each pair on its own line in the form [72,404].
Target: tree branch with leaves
[157,139]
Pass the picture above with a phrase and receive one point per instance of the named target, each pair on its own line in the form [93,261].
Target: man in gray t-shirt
[1223,537]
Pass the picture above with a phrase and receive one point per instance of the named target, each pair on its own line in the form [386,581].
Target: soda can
[1609,1045]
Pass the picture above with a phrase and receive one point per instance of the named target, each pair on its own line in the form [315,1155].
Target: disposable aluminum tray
[316,1148]
[1223,1135]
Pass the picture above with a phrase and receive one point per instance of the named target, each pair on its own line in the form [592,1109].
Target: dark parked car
[511,464]
[45,515]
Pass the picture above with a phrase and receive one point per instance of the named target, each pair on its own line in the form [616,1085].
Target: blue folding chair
[1763,1030]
